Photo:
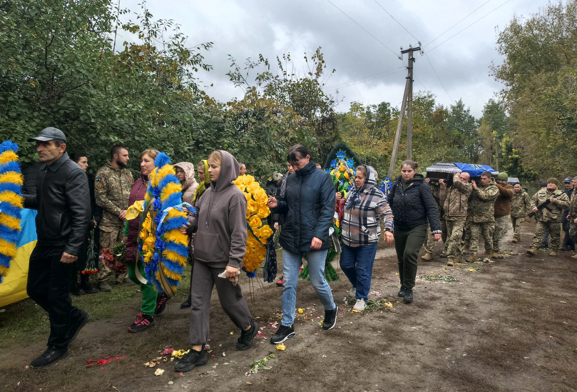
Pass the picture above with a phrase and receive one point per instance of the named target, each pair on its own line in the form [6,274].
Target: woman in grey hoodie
[219,246]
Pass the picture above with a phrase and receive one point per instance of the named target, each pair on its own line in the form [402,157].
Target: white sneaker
[352,292]
[360,305]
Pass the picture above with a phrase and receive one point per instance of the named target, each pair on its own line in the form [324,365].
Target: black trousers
[49,285]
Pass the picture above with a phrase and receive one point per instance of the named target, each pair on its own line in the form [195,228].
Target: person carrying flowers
[145,318]
[361,229]
[219,249]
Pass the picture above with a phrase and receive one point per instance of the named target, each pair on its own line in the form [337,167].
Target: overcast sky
[366,63]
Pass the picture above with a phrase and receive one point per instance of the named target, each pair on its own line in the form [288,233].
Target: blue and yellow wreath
[163,248]
[11,203]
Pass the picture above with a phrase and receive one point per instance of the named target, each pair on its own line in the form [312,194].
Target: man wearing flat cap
[548,219]
[63,202]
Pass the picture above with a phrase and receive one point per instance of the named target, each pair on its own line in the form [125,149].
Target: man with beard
[111,190]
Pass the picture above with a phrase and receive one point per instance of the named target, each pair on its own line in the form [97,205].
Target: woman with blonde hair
[219,248]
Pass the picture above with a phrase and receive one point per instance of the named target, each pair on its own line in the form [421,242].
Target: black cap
[47,134]
[543,184]
[568,180]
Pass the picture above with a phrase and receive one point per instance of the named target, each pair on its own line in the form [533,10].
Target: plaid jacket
[360,224]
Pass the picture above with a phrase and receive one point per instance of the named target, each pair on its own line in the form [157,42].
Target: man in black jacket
[63,202]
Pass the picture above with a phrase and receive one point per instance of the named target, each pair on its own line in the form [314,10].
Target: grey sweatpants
[231,300]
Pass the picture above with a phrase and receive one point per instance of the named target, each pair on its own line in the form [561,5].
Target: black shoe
[161,301]
[186,304]
[283,334]
[77,325]
[246,337]
[77,291]
[51,355]
[330,318]
[402,291]
[142,322]
[191,360]
[85,285]
[408,298]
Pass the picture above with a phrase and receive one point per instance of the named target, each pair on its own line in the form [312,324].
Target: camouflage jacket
[483,203]
[556,208]
[521,204]
[436,191]
[111,191]
[573,206]
[455,198]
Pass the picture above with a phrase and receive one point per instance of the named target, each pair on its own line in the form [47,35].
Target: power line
[365,30]
[385,73]
[444,32]
[399,23]
[435,71]
[459,32]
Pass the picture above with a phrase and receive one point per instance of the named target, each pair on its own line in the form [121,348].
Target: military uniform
[111,190]
[483,216]
[430,243]
[549,220]
[572,216]
[520,206]
[502,213]
[455,205]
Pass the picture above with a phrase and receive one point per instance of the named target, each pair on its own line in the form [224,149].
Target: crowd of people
[304,205]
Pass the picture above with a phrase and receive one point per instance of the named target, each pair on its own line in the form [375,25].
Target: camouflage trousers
[554,229]
[430,243]
[573,232]
[467,232]
[485,229]
[108,237]
[517,222]
[454,236]
[502,224]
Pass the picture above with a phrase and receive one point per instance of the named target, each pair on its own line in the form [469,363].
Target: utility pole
[407,101]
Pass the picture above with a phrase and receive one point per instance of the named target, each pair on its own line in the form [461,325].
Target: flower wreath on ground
[11,203]
[258,232]
[162,247]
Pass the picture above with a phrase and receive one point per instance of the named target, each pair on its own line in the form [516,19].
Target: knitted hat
[543,184]
[503,176]
[553,180]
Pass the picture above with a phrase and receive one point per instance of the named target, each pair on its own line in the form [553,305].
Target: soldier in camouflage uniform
[483,215]
[520,207]
[502,212]
[111,190]
[548,220]
[572,215]
[430,243]
[455,204]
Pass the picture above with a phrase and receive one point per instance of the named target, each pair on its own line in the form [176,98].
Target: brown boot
[515,240]
[449,262]
[458,260]
[466,249]
[473,258]
[574,256]
[427,257]
[496,255]
[532,252]
[553,253]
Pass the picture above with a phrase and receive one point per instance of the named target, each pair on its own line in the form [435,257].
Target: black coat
[308,208]
[63,203]
[415,205]
[272,190]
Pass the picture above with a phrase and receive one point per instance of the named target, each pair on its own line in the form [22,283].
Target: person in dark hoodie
[413,205]
[361,229]
[219,247]
[308,206]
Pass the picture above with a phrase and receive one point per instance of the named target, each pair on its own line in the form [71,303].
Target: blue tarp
[475,170]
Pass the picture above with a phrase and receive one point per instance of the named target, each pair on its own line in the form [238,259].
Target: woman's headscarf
[203,185]
[188,169]
[354,196]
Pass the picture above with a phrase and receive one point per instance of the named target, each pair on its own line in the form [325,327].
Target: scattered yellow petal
[281,347]
[389,305]
[159,372]
[232,333]
[396,274]
[356,311]
[301,310]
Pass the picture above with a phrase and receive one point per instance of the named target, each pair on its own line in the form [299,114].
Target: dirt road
[504,326]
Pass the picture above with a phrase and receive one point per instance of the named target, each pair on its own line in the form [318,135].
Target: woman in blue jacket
[308,207]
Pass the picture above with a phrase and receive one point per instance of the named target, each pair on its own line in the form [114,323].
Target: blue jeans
[357,264]
[291,263]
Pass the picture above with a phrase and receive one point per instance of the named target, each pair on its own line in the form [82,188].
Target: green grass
[24,322]
[439,278]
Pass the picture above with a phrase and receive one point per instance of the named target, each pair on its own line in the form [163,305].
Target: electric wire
[347,84]
[365,30]
[399,23]
[440,81]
